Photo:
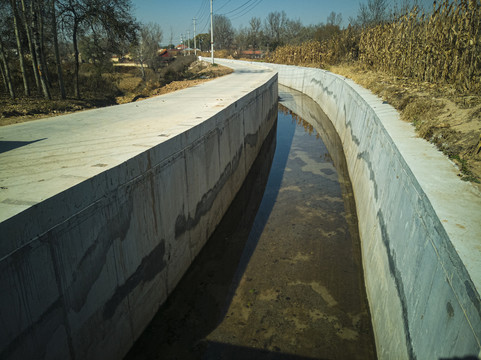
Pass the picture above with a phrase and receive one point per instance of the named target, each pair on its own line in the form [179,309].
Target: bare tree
[334,19]
[26,20]
[29,15]
[275,25]
[331,28]
[83,16]
[402,7]
[372,13]
[223,32]
[5,39]
[41,8]
[203,41]
[293,32]
[42,69]
[255,34]
[5,69]
[21,57]
[54,24]
[145,52]
[241,39]
[171,36]
[29,32]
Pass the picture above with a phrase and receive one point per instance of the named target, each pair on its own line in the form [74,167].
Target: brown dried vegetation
[121,87]
[426,66]
[444,47]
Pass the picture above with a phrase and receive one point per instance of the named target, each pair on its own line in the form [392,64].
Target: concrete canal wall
[419,224]
[84,271]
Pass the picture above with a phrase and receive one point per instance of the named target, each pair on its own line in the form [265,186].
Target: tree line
[275,30]
[37,33]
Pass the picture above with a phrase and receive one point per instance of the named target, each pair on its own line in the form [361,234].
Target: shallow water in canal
[281,278]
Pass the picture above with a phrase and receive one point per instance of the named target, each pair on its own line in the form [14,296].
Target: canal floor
[281,278]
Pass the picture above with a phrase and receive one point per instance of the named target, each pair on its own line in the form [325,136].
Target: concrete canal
[281,278]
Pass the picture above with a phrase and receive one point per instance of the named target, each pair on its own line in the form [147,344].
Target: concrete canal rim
[419,224]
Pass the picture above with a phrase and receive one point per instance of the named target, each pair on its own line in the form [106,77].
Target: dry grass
[343,47]
[306,53]
[448,119]
[427,67]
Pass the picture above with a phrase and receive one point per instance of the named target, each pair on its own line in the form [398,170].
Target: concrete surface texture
[419,223]
[101,212]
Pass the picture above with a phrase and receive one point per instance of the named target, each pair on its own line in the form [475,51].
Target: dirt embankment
[440,114]
[130,86]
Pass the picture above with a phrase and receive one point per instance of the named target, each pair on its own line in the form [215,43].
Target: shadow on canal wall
[419,224]
[90,272]
[194,308]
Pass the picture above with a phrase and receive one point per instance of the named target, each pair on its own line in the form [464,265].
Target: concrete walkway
[42,158]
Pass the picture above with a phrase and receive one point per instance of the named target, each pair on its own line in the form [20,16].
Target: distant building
[253,54]
[163,53]
[167,55]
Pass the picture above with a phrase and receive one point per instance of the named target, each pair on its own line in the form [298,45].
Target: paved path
[41,158]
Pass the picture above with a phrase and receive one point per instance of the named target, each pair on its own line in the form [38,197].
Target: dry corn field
[341,48]
[306,53]
[444,47]
[426,66]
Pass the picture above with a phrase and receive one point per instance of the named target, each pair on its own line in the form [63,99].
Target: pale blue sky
[176,15]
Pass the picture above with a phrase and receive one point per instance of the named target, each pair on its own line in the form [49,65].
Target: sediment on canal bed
[419,224]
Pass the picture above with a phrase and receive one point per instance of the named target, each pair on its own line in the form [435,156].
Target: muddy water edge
[281,278]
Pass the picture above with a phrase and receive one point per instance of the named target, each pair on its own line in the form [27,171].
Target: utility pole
[188,40]
[211,33]
[195,40]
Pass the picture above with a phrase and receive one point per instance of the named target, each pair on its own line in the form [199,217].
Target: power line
[206,24]
[223,6]
[237,8]
[202,7]
[247,10]
[238,12]
[204,19]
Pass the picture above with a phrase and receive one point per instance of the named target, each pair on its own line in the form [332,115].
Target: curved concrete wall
[419,224]
[83,272]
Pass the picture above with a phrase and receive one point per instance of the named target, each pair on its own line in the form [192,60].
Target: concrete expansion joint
[39,237]
[462,306]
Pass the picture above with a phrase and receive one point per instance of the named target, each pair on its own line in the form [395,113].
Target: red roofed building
[253,54]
